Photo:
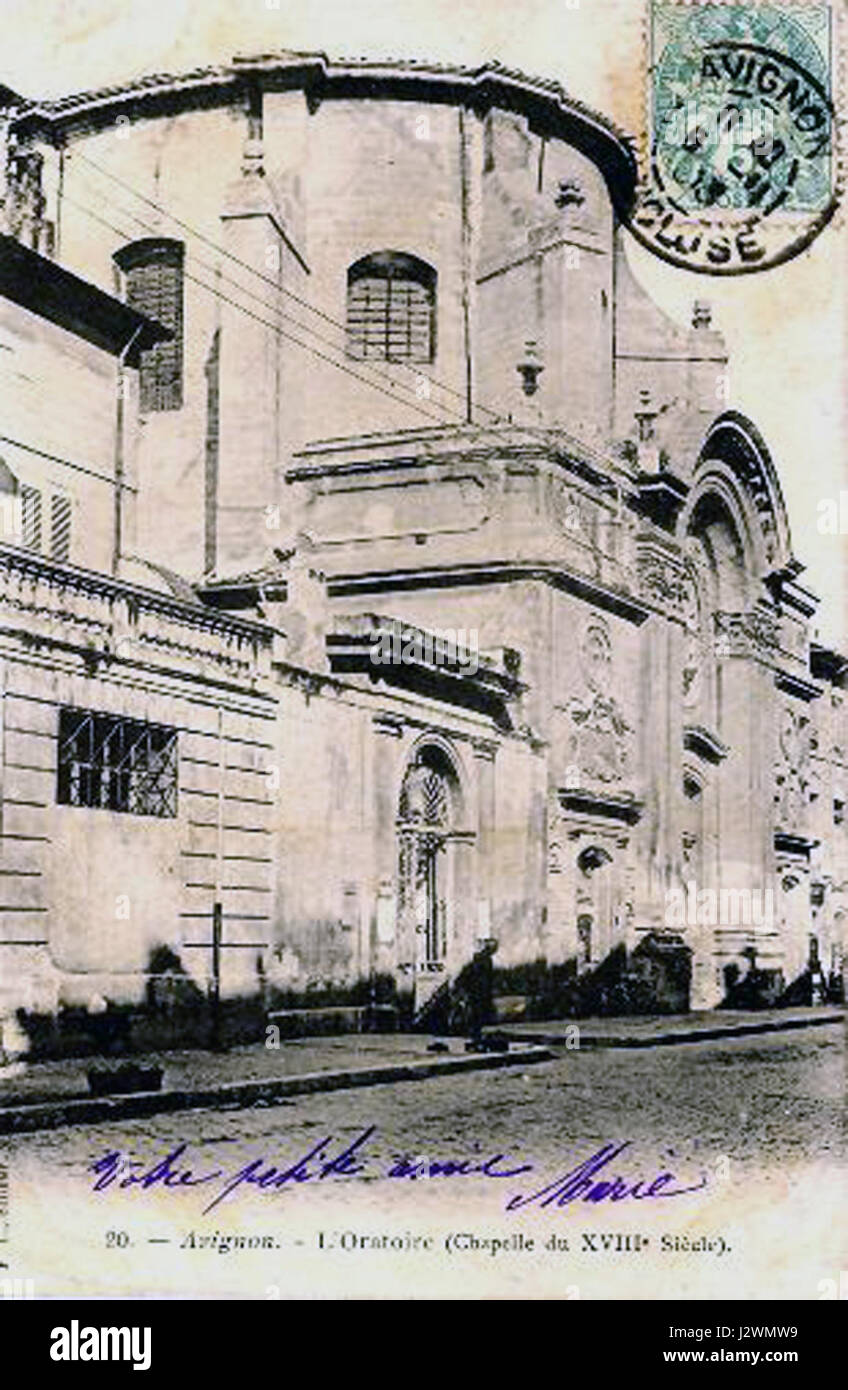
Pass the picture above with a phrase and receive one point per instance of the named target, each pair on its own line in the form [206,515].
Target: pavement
[658,1030]
[47,1095]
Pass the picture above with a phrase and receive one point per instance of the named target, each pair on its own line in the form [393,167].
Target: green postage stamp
[742,162]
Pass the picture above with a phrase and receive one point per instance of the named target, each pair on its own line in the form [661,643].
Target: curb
[601,1041]
[24,1119]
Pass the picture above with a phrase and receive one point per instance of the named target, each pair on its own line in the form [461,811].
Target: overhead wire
[275,327]
[531,432]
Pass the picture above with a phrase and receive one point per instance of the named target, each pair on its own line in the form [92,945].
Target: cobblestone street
[758,1118]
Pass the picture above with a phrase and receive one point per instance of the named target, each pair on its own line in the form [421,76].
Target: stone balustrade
[108,621]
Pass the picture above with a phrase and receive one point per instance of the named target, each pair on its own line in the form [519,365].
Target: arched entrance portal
[427,830]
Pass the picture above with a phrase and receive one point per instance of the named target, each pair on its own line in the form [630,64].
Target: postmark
[742,163]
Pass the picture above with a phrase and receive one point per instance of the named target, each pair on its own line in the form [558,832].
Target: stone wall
[92,896]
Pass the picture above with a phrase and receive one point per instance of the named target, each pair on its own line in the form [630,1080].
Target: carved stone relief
[792,770]
[600,741]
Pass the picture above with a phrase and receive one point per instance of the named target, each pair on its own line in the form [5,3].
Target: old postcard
[423,652]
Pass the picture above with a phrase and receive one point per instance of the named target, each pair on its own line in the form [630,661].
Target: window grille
[110,763]
[425,798]
[391,308]
[153,270]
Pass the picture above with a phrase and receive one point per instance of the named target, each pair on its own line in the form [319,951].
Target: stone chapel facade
[385,577]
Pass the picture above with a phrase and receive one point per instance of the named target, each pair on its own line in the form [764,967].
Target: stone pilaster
[484,756]
[386,949]
[250,370]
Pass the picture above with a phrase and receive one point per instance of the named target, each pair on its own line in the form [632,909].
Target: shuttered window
[60,528]
[30,517]
[391,308]
[153,270]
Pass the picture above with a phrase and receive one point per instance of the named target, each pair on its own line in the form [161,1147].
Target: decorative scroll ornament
[665,584]
[756,632]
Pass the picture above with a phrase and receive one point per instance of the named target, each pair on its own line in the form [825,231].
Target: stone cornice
[661,496]
[355,639]
[544,103]
[608,805]
[493,572]
[697,739]
[827,664]
[798,846]
[468,445]
[794,685]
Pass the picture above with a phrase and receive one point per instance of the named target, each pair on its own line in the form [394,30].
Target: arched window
[391,308]
[427,811]
[153,271]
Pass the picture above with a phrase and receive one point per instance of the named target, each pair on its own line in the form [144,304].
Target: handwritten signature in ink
[592,1180]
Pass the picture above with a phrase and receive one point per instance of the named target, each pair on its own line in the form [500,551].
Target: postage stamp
[742,160]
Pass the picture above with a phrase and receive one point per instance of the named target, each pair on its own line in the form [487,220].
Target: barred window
[391,308]
[60,528]
[111,763]
[153,271]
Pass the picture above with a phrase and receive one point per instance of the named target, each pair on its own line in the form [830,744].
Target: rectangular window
[30,517]
[153,279]
[111,763]
[157,290]
[60,528]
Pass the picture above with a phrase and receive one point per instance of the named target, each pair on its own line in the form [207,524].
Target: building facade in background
[386,579]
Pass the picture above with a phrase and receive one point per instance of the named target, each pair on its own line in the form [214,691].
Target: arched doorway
[428,820]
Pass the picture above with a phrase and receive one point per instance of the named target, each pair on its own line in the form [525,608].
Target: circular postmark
[743,168]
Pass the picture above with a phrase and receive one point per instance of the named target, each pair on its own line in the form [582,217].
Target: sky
[786,329]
